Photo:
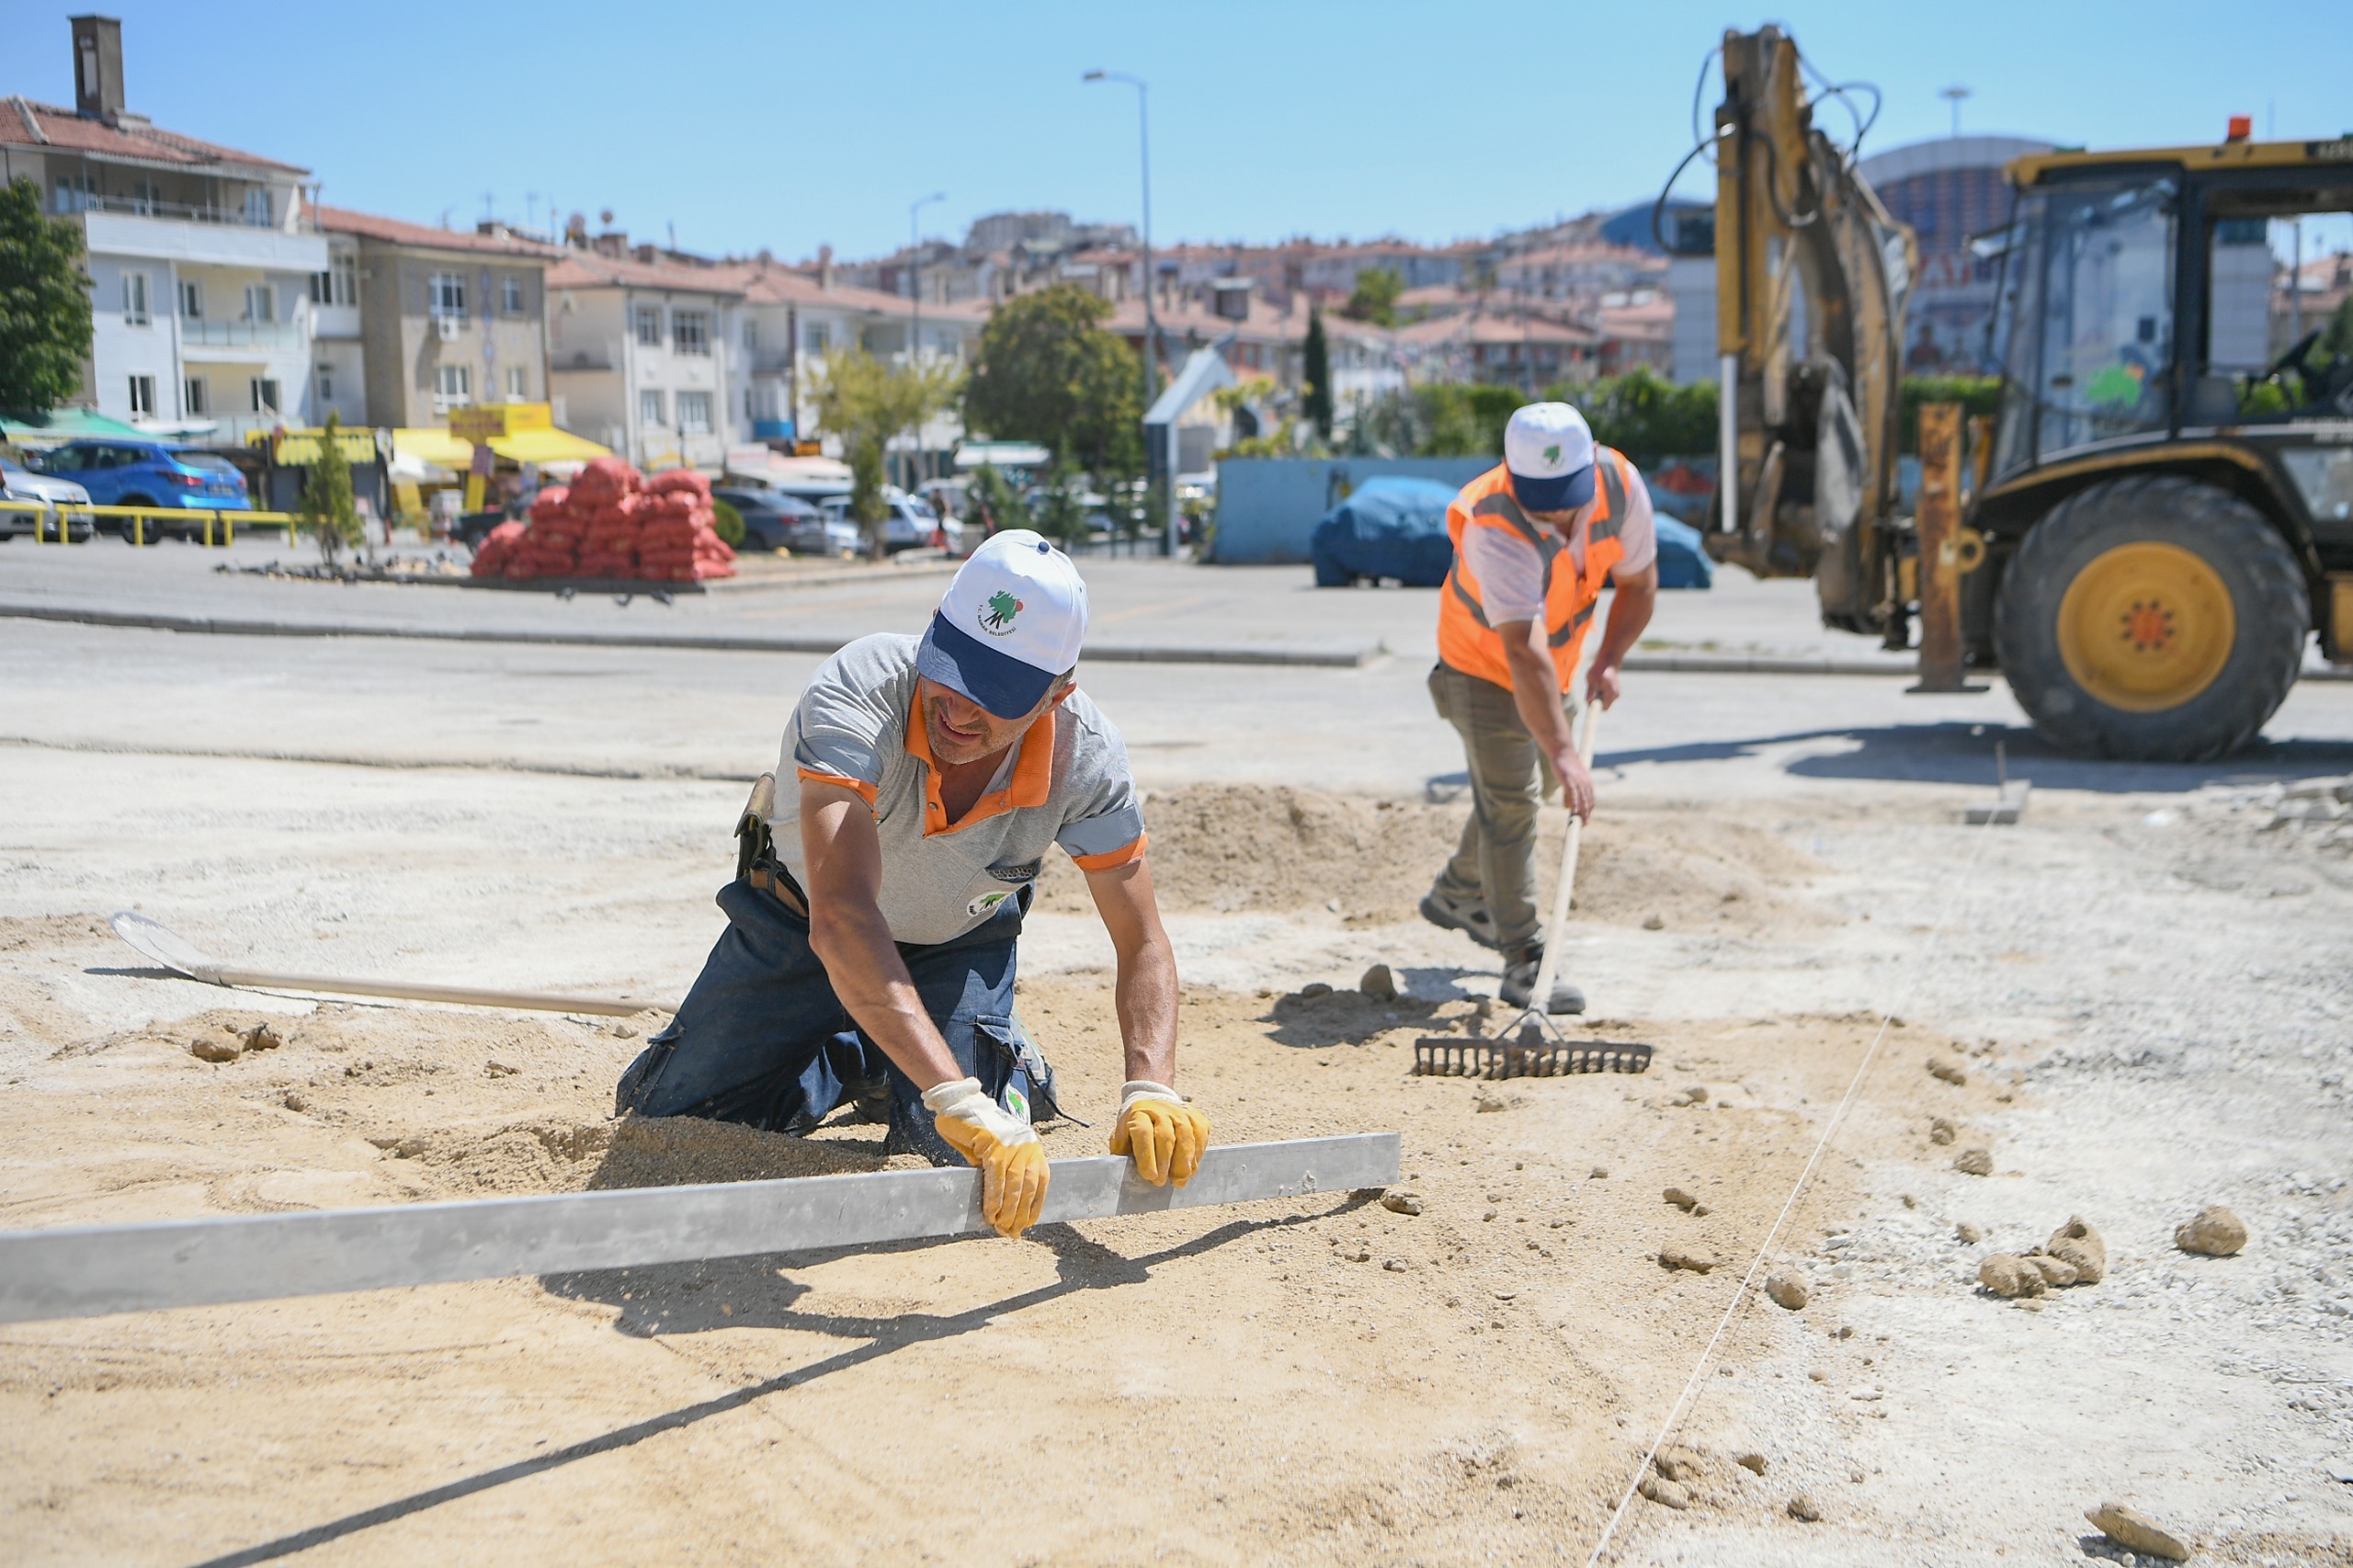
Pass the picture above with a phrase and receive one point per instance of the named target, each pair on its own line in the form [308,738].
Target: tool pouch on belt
[756,858]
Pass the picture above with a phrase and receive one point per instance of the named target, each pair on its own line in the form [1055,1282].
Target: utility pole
[1151,321]
[915,294]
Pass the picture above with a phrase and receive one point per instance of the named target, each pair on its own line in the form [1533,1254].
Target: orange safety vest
[1465,641]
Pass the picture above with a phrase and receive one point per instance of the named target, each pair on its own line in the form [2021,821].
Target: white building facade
[200,257]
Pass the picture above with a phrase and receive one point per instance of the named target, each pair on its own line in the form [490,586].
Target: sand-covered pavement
[2141,987]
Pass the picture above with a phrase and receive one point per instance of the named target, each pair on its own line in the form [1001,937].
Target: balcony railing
[240,335]
[178,212]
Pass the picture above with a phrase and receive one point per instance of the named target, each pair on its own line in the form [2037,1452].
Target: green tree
[44,304]
[1317,405]
[999,504]
[327,497]
[1646,417]
[1375,298]
[866,402]
[1046,370]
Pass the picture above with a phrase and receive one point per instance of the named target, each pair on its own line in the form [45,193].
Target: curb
[222,626]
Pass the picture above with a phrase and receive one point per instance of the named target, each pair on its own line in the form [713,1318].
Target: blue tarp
[1391,526]
[1682,560]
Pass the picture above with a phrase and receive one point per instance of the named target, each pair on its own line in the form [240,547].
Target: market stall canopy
[760,466]
[64,425]
[1001,454]
[435,448]
[547,446]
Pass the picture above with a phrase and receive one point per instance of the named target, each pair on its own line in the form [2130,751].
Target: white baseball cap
[1548,449]
[1009,626]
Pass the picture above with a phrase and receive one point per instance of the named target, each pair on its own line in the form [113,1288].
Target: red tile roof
[23,123]
[587,270]
[368,225]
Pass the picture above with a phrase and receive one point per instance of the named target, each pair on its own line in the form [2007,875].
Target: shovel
[175,953]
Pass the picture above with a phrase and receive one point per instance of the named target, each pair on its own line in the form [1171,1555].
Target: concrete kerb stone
[224,626]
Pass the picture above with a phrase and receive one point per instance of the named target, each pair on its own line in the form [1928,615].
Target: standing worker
[1535,539]
[870,948]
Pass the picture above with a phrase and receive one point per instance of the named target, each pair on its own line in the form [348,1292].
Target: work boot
[1470,916]
[1519,984]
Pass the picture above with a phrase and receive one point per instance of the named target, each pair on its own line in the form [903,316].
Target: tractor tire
[2152,619]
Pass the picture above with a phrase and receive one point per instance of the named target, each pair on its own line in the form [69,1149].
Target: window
[192,299]
[74,194]
[690,331]
[142,396]
[649,408]
[339,284]
[694,413]
[134,304]
[750,333]
[814,338]
[519,384]
[649,325]
[261,303]
[445,294]
[453,387]
[326,383]
[510,296]
[264,390]
[195,396]
[258,211]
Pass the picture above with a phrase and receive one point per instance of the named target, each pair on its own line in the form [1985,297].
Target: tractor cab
[2167,500]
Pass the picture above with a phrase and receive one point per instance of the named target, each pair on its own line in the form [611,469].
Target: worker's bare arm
[1630,612]
[1146,993]
[850,937]
[1536,693]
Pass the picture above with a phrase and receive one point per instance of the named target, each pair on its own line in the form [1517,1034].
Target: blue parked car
[149,474]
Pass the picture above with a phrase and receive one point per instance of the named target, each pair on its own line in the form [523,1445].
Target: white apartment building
[640,357]
[200,257]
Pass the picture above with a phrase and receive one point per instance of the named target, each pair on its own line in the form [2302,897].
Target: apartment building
[201,258]
[410,322]
[640,357]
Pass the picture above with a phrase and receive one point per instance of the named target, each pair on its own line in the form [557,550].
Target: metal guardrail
[224,522]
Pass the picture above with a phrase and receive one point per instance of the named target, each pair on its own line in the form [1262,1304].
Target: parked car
[61,494]
[907,523]
[150,474]
[773,520]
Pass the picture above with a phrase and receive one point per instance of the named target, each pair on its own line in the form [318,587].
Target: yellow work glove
[1164,1134]
[1006,1148]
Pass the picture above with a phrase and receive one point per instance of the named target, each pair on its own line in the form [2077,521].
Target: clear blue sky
[786,125]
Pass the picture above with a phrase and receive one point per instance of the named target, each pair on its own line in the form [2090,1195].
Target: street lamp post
[1151,321]
[914,295]
[1953,94]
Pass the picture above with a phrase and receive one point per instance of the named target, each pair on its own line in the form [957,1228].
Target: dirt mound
[554,1155]
[1233,848]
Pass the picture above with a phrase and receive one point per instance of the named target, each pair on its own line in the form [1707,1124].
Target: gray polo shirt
[1066,782]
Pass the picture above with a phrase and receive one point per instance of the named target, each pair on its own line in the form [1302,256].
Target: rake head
[1527,1054]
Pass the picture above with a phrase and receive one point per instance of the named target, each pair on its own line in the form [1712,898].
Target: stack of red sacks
[675,543]
[550,547]
[498,551]
[609,547]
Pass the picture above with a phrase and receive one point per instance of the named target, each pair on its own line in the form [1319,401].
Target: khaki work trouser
[1509,778]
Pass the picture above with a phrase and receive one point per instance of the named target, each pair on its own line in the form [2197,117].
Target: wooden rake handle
[1540,999]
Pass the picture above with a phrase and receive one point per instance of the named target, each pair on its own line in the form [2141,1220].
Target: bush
[727,523]
[1976,394]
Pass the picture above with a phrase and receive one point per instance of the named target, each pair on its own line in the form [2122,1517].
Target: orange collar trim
[1032,779]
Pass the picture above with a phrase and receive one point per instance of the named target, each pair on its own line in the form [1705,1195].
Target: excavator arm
[1811,275]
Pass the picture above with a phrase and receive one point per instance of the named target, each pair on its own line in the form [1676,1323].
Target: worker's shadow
[686,1298]
[1348,1017]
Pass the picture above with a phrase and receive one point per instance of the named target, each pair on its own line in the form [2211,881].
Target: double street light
[1151,322]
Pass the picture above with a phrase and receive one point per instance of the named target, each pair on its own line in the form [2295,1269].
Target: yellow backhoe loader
[2144,541]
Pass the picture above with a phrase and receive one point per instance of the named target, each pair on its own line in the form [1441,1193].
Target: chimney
[825,267]
[97,67]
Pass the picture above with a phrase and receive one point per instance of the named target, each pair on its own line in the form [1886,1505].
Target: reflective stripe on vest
[1466,641]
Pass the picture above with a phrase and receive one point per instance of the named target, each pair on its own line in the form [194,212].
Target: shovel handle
[1539,1000]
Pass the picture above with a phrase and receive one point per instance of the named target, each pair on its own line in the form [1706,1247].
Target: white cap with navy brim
[1548,447]
[1009,626]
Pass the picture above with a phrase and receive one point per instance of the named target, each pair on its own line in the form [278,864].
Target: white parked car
[62,495]
[908,523]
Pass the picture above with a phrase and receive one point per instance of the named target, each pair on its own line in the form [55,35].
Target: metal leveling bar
[89,1270]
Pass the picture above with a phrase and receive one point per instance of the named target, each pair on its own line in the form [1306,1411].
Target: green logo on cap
[996,620]
[1552,453]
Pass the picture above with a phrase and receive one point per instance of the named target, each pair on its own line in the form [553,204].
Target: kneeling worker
[925,779]
[1535,540]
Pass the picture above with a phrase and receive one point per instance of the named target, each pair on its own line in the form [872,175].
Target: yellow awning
[547,446]
[435,447]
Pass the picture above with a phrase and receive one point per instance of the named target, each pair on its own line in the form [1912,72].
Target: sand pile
[1235,847]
